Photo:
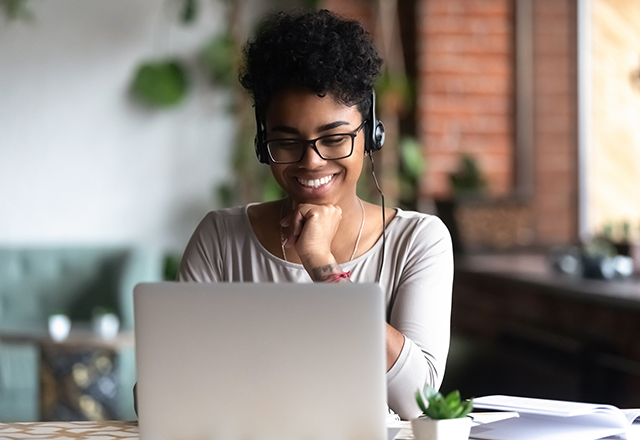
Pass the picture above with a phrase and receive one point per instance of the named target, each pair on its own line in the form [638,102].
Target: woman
[311,76]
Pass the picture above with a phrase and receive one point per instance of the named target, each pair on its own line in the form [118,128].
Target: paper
[542,419]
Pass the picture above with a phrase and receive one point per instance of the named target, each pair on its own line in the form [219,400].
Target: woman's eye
[332,141]
[286,144]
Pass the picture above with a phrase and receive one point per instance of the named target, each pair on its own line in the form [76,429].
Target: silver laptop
[240,361]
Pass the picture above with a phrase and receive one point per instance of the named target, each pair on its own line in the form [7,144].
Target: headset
[373,128]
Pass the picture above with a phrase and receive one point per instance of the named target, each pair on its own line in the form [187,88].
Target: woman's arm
[395,342]
[421,312]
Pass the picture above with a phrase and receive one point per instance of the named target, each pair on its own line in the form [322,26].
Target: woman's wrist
[342,277]
[319,264]
[325,269]
[329,273]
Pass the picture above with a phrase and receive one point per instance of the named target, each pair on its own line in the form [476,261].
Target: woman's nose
[311,158]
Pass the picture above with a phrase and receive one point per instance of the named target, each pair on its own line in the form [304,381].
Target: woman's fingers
[311,228]
[291,227]
[315,227]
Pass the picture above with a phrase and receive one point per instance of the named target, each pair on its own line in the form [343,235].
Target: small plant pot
[425,428]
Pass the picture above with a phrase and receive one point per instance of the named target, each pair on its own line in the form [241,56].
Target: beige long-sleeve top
[417,271]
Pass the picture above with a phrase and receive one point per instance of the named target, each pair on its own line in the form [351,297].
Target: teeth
[315,183]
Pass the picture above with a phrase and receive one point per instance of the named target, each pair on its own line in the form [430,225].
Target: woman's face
[300,114]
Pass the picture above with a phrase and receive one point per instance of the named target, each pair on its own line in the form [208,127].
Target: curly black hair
[319,50]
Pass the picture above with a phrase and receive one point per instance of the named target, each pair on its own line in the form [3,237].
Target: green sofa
[37,282]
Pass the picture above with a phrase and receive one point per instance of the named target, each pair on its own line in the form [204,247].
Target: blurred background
[516,121]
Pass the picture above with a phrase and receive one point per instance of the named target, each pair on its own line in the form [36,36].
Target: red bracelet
[337,277]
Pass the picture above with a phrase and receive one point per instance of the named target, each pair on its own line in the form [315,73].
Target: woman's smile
[315,183]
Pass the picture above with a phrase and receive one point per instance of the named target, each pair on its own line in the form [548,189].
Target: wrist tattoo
[319,273]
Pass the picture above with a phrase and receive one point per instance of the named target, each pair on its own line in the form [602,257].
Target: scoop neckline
[263,250]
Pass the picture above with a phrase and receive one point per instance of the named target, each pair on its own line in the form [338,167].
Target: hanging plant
[160,83]
[189,11]
[217,56]
[16,9]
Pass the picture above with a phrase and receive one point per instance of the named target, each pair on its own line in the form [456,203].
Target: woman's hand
[310,230]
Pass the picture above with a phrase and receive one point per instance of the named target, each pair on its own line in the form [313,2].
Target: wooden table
[111,430]
[115,430]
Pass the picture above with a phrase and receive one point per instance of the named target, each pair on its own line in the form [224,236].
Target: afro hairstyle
[316,49]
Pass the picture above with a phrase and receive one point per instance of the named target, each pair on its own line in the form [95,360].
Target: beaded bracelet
[337,277]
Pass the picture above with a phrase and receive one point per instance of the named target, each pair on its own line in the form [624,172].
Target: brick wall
[466,103]
[466,90]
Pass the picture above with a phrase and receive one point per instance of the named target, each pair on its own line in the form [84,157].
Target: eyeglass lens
[337,146]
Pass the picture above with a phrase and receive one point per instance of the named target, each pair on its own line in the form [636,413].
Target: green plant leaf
[218,55]
[412,158]
[16,10]
[189,11]
[160,83]
[171,266]
[435,406]
[468,179]
[430,392]
[422,401]
[467,407]
[453,399]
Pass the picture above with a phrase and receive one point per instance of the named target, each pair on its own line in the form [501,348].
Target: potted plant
[443,417]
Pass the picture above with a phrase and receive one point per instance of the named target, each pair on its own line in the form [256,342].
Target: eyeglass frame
[304,142]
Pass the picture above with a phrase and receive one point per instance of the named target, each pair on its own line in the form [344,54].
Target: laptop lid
[260,361]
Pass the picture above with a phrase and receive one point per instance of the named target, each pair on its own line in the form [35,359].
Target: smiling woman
[311,76]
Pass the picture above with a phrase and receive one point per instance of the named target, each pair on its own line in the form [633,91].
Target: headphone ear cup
[368,138]
[258,142]
[261,151]
[378,136]
[375,129]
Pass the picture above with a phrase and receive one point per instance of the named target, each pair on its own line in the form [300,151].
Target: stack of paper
[542,419]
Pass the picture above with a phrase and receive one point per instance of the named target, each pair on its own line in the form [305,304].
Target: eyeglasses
[330,147]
